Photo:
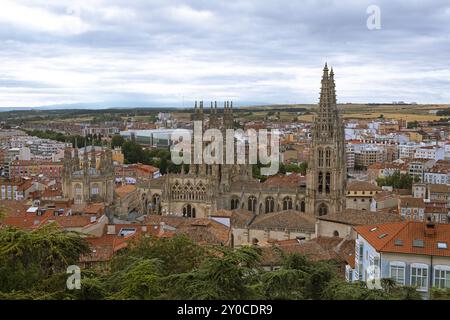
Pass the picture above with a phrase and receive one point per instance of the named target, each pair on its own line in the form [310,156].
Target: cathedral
[88,178]
[204,188]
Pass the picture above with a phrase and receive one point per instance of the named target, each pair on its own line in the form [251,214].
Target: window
[323,209]
[270,204]
[252,204]
[442,277]
[442,245]
[287,203]
[419,276]
[397,272]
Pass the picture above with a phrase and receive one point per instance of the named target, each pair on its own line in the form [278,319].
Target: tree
[440,294]
[397,180]
[29,258]
[117,141]
[132,152]
[230,275]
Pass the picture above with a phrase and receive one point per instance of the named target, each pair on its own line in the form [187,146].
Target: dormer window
[442,245]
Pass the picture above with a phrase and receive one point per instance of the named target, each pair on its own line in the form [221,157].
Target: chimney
[430,229]
[111,229]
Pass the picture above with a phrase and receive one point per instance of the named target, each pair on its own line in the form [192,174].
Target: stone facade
[88,180]
[205,189]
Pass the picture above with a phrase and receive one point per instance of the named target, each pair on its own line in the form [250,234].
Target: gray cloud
[262,52]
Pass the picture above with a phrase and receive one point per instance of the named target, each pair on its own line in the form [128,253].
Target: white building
[411,253]
[430,152]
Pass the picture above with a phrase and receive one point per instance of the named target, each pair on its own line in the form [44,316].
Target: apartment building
[411,253]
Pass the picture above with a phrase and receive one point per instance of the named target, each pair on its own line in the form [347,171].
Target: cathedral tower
[326,176]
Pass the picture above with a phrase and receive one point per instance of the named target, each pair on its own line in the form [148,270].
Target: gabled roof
[360,217]
[411,202]
[288,219]
[125,190]
[408,237]
[362,186]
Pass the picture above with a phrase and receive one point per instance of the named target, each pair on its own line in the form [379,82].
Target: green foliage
[412,124]
[160,158]
[398,180]
[301,168]
[440,294]
[117,141]
[33,264]
[30,259]
[444,112]
[76,140]
[101,118]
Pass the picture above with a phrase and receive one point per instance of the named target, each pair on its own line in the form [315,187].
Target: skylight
[373,229]
[381,236]
[126,231]
[418,243]
[442,245]
[398,242]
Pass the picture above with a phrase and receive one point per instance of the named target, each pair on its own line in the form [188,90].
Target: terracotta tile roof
[25,221]
[360,217]
[13,207]
[94,208]
[292,180]
[362,186]
[409,237]
[222,213]
[125,190]
[71,221]
[288,219]
[104,247]
[199,230]
[410,202]
[48,193]
[440,188]
[384,195]
[317,249]
[206,232]
[241,218]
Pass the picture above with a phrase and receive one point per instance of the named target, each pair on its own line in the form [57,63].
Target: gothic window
[155,199]
[200,192]
[78,189]
[328,157]
[234,203]
[176,191]
[188,211]
[302,206]
[320,182]
[323,209]
[95,190]
[270,204]
[287,203]
[320,157]
[252,204]
[327,182]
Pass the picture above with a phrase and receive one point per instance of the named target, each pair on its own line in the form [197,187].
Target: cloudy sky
[169,53]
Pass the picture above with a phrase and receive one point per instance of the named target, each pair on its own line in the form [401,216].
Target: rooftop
[409,237]
[360,217]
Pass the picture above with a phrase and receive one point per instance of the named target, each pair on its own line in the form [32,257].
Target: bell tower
[327,174]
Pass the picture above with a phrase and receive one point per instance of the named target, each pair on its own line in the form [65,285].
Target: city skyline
[171,53]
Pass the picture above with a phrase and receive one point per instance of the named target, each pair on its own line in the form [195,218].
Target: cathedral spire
[332,90]
[326,176]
